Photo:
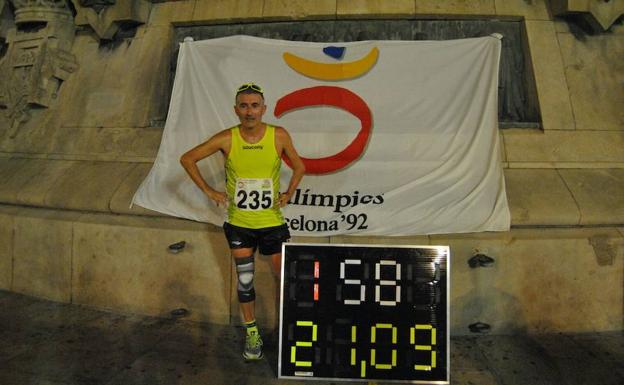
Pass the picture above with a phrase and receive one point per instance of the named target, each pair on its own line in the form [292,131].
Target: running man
[252,152]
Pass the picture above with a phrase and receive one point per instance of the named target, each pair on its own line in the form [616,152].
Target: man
[252,152]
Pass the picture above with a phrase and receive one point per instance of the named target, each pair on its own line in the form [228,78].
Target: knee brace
[245,272]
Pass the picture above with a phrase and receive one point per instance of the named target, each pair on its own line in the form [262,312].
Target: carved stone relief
[108,17]
[38,58]
[6,23]
[97,5]
[600,14]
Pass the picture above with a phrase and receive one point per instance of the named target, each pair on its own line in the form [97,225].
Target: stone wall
[543,280]
[72,157]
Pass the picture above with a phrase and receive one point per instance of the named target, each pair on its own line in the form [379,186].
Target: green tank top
[252,181]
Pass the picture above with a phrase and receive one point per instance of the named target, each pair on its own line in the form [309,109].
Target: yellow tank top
[252,181]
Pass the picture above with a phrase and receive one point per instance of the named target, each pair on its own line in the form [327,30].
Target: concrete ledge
[120,202]
[128,268]
[375,8]
[550,147]
[298,9]
[598,193]
[87,186]
[27,181]
[115,262]
[594,76]
[171,12]
[573,197]
[537,197]
[456,7]
[413,240]
[227,10]
[530,10]
[42,254]
[552,89]
[543,280]
[193,11]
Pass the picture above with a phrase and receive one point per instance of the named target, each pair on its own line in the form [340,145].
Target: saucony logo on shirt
[254,147]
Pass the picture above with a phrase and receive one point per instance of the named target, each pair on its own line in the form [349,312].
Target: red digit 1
[316,276]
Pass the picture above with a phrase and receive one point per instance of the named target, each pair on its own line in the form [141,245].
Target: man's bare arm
[219,142]
[287,147]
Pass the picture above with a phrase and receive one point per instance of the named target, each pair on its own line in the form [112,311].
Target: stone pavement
[47,343]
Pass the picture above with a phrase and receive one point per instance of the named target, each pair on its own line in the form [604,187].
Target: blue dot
[335,52]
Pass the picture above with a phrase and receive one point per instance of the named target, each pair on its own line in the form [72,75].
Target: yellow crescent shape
[327,71]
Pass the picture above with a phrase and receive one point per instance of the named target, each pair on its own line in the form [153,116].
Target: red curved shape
[335,97]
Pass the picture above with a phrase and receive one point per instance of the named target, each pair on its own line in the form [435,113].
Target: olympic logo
[334,97]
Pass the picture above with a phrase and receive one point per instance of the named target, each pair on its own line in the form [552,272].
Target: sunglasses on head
[249,86]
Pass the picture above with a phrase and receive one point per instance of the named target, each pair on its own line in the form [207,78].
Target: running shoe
[253,347]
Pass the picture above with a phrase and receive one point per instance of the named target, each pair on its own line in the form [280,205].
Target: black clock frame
[364,312]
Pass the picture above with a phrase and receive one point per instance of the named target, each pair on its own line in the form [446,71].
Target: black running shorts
[269,239]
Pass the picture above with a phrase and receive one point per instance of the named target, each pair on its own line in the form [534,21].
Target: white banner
[398,137]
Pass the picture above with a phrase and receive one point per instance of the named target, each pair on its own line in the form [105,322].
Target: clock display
[364,312]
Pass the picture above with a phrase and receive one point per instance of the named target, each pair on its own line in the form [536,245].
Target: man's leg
[276,264]
[271,245]
[244,261]
[245,273]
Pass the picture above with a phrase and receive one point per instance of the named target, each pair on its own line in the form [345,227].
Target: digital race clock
[363,312]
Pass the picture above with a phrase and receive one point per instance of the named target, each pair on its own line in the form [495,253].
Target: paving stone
[90,352]
[21,312]
[10,378]
[6,251]
[466,355]
[519,360]
[606,347]
[473,377]
[580,362]
[21,342]
[29,324]
[48,343]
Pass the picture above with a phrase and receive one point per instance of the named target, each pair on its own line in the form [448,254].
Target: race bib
[253,194]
